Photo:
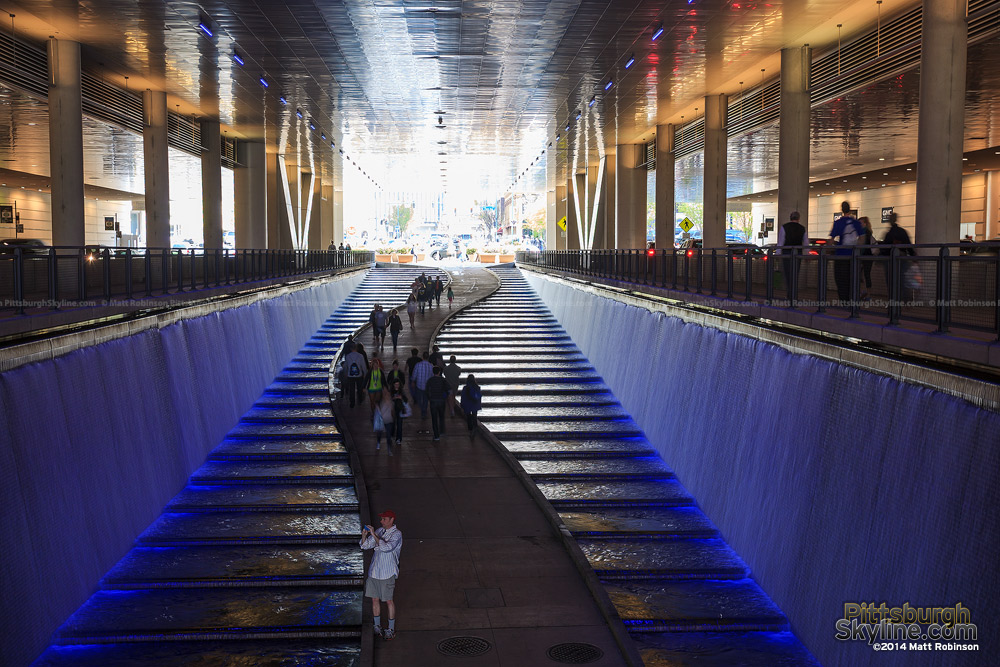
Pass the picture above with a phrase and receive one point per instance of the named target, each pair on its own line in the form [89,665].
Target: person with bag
[472,402]
[792,240]
[382,419]
[400,410]
[846,234]
[910,273]
[356,368]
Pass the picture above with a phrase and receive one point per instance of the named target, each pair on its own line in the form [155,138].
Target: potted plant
[470,254]
[506,255]
[403,255]
[383,254]
[489,254]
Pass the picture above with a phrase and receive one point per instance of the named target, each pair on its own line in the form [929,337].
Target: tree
[741,221]
[400,217]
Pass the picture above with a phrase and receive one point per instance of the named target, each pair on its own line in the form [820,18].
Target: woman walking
[395,326]
[451,295]
[400,408]
[472,402]
[382,422]
[411,309]
[375,382]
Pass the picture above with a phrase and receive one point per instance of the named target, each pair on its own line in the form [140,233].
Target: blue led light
[658,32]
[591,102]
[333,145]
[205,29]
[578,114]
[322,135]
[298,113]
[557,137]
[283,100]
[608,85]
[567,127]
[311,126]
[629,62]
[263,82]
[239,61]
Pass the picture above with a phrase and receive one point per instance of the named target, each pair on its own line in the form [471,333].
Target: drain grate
[575,653]
[463,646]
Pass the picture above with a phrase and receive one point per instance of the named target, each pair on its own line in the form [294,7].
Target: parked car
[690,245]
[29,246]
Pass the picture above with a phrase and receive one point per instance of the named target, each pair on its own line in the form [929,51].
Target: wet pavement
[684,595]
[255,561]
[480,560]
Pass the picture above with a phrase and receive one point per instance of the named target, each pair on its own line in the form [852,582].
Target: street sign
[561,223]
[686,224]
[7,214]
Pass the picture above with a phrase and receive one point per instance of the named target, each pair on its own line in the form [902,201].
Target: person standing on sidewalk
[386,541]
[472,402]
[437,392]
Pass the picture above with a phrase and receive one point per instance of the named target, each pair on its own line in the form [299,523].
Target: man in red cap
[386,542]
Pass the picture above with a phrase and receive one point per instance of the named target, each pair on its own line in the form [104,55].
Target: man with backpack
[846,234]
[355,370]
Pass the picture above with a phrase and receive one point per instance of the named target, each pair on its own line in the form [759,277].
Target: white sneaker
[389,634]
[379,632]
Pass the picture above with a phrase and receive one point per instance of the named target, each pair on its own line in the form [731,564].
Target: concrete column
[558,241]
[630,197]
[605,204]
[314,239]
[943,53]
[338,216]
[275,202]
[211,183]
[326,216]
[156,160]
[250,190]
[550,216]
[992,218]
[793,135]
[574,209]
[714,232]
[665,186]
[66,143]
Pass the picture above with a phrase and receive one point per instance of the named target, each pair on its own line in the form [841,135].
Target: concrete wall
[835,484]
[93,443]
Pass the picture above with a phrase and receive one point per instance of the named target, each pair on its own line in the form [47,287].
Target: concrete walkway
[479,557]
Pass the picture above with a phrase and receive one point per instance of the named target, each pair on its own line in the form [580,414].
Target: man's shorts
[380,588]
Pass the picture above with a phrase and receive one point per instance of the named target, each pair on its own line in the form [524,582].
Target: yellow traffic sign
[562,223]
[686,224]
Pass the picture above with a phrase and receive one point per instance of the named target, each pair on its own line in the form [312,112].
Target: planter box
[404,259]
[504,259]
[383,258]
[487,258]
[420,257]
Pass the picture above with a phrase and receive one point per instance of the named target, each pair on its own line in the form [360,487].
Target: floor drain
[463,646]
[575,653]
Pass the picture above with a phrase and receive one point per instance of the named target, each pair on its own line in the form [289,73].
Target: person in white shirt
[386,542]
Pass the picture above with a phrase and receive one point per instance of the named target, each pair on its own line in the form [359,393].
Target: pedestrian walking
[436,358]
[412,362]
[452,373]
[395,326]
[437,393]
[356,369]
[422,372]
[438,290]
[867,240]
[375,381]
[451,295]
[792,239]
[382,418]
[422,297]
[472,402]
[395,374]
[411,309]
[378,319]
[846,233]
[400,409]
[387,542]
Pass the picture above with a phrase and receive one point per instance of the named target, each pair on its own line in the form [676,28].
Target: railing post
[225,262]
[855,284]
[164,269]
[106,274]
[180,270]
[792,284]
[893,273]
[687,268]
[128,273]
[943,305]
[81,270]
[215,271]
[821,281]
[748,271]
[700,265]
[674,267]
[148,271]
[19,279]
[53,280]
[715,271]
[730,278]
[996,293]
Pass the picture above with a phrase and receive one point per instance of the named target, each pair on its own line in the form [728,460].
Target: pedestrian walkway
[683,594]
[255,561]
[483,574]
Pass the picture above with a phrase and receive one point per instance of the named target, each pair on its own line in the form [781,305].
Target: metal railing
[946,285]
[50,277]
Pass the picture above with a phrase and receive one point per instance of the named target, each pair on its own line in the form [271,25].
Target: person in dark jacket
[896,236]
[395,374]
[395,326]
[438,290]
[438,391]
[399,401]
[472,402]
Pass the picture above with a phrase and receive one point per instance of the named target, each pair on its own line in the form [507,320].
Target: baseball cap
[388,514]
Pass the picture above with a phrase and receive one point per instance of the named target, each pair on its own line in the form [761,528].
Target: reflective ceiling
[464,94]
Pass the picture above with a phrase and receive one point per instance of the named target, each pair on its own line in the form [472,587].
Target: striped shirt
[421,373]
[385,562]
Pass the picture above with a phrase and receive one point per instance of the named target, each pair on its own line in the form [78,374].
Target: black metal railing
[50,277]
[947,285]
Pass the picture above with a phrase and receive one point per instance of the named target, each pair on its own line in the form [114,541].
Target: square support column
[793,135]
[66,143]
[714,232]
[211,184]
[665,186]
[630,196]
[250,190]
[156,160]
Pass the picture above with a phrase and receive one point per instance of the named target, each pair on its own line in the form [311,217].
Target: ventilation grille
[111,103]
[872,57]
[24,66]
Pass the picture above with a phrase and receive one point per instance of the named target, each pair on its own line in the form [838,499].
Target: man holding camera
[386,541]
